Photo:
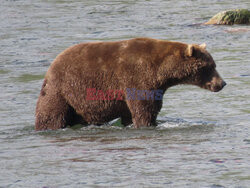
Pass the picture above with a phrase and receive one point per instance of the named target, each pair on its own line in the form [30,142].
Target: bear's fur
[141,63]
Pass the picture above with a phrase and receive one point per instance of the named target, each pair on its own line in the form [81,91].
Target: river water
[202,139]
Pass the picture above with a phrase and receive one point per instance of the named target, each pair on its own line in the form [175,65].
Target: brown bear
[91,83]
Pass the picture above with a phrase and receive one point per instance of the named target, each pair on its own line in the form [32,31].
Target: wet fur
[141,63]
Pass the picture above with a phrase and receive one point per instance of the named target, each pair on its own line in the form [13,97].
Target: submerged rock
[230,17]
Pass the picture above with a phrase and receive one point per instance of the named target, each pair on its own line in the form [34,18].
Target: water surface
[202,139]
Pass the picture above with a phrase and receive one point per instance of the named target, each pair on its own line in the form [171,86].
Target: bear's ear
[190,50]
[203,46]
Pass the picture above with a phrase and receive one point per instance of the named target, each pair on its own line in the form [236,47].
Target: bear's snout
[216,84]
[223,83]
[219,86]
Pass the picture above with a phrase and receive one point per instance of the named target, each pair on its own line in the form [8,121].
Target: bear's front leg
[144,112]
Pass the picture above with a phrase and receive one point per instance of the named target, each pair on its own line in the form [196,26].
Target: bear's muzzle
[216,84]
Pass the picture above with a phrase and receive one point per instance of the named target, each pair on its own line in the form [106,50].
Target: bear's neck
[169,76]
[170,83]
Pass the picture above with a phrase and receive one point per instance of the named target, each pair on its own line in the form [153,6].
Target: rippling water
[202,139]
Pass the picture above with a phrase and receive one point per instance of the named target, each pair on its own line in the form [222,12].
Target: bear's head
[200,68]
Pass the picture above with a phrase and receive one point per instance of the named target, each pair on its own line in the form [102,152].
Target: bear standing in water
[87,83]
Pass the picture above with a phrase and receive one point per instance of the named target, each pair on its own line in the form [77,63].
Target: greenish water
[29,77]
[202,139]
